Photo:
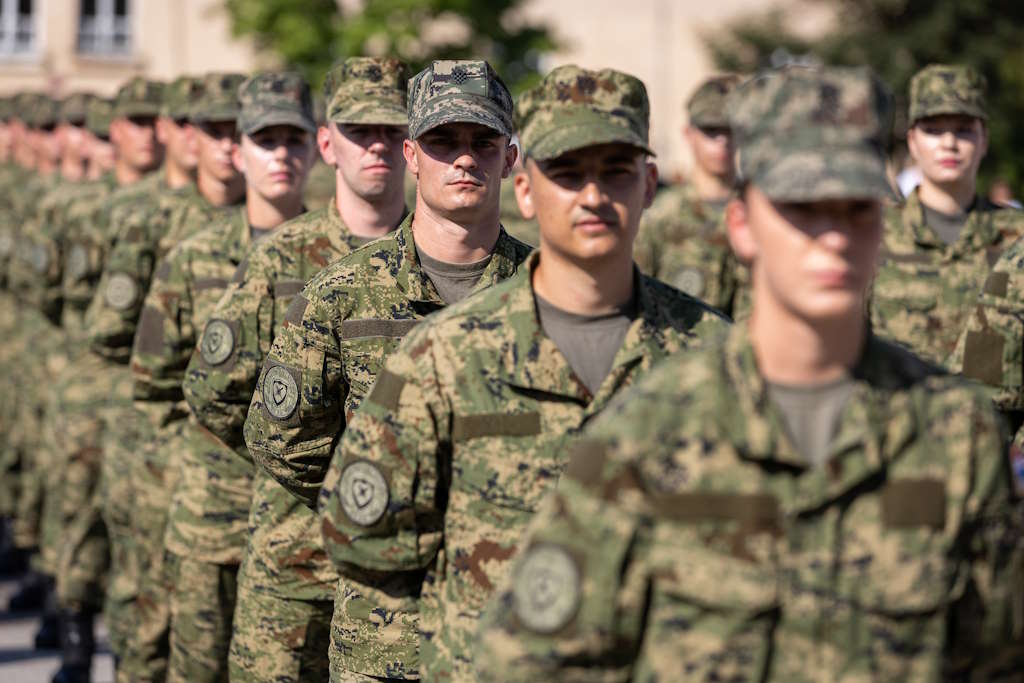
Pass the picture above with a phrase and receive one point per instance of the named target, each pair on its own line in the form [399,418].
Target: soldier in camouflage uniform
[218,191]
[469,420]
[205,531]
[335,336]
[941,244]
[286,583]
[709,527]
[682,238]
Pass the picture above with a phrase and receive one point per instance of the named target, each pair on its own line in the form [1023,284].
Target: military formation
[486,414]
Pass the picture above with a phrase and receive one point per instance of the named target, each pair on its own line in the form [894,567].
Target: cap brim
[947,110]
[375,115]
[282,117]
[139,110]
[598,130]
[821,174]
[221,112]
[463,109]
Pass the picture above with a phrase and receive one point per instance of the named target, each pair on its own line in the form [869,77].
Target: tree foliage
[897,38]
[312,34]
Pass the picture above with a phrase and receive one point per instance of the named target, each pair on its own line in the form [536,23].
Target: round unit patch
[6,243]
[121,291]
[364,493]
[78,262]
[280,393]
[40,258]
[218,342]
[690,281]
[547,589]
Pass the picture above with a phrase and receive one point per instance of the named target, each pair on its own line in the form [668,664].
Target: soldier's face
[459,168]
[588,202]
[949,149]
[812,259]
[369,157]
[47,144]
[275,161]
[179,140]
[74,141]
[101,154]
[136,143]
[215,141]
[712,149]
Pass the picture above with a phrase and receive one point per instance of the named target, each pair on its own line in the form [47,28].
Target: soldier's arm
[295,415]
[163,341]
[222,374]
[381,505]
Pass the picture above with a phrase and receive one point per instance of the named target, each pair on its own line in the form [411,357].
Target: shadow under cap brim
[597,130]
[823,174]
[454,109]
[281,117]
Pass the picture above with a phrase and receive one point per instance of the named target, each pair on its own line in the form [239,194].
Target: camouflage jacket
[465,431]
[12,178]
[924,289]
[185,289]
[34,257]
[689,540]
[284,548]
[325,357]
[145,236]
[682,241]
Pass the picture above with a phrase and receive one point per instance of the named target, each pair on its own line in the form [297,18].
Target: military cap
[75,107]
[811,133]
[99,115]
[219,101]
[458,91]
[574,108]
[707,106]
[139,97]
[45,112]
[275,99]
[368,90]
[179,96]
[6,108]
[22,106]
[947,89]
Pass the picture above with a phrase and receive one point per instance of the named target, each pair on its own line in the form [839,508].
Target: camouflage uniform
[682,238]
[209,508]
[924,289]
[691,540]
[286,584]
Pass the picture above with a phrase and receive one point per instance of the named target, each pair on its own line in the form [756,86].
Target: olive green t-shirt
[811,414]
[453,281]
[589,343]
[947,226]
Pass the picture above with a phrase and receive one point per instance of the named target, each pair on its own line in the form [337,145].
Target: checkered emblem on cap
[459,75]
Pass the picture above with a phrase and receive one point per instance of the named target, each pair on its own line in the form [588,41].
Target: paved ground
[19,663]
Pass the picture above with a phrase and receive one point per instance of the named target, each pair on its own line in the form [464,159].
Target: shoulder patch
[280,392]
[287,288]
[387,390]
[122,291]
[296,309]
[547,588]
[218,342]
[364,493]
[466,427]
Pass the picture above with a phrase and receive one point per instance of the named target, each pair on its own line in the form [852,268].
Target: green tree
[312,34]
[898,37]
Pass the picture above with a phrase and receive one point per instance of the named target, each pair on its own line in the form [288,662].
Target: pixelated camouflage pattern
[75,108]
[98,116]
[180,95]
[220,98]
[201,618]
[139,97]
[368,90]
[806,134]
[708,106]
[333,342]
[925,290]
[289,647]
[469,422]
[683,241]
[704,548]
[573,108]
[459,91]
[947,89]
[272,99]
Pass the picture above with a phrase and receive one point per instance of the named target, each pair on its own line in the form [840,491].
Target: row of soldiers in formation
[386,439]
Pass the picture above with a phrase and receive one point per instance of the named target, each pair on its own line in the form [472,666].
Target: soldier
[802,502]
[941,244]
[335,336]
[468,422]
[286,583]
[682,238]
[274,154]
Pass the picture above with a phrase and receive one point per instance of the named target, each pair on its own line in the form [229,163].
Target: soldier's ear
[737,224]
[511,154]
[524,195]
[236,156]
[651,180]
[324,144]
[409,152]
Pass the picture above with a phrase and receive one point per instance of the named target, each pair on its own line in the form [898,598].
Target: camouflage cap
[179,96]
[45,112]
[219,100]
[75,107]
[807,134]
[947,89]
[23,106]
[368,90]
[275,99]
[458,91]
[574,108]
[707,106]
[139,97]
[99,115]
